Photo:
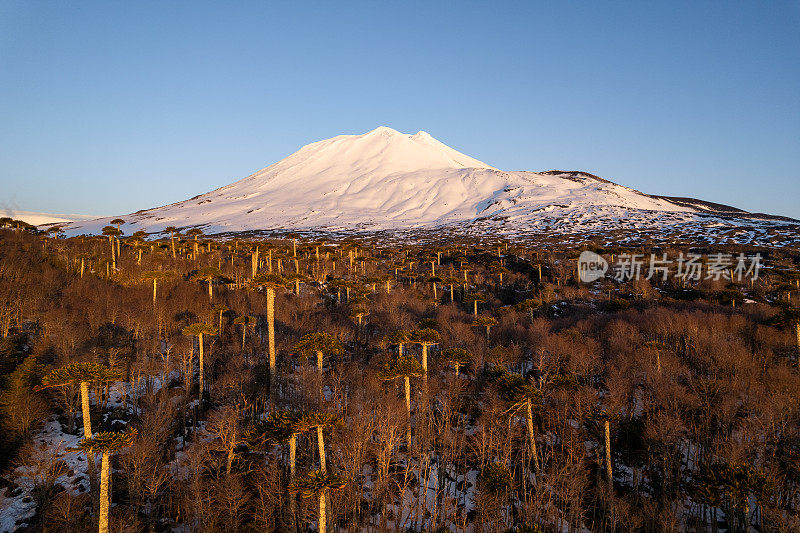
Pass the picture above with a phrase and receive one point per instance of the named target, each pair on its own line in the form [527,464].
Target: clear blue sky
[110,107]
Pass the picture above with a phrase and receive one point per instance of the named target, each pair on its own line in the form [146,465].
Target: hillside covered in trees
[189,384]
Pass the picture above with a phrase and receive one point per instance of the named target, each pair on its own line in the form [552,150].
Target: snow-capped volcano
[387,180]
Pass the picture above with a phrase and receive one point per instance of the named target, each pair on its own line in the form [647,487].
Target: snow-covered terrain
[386,180]
[37,219]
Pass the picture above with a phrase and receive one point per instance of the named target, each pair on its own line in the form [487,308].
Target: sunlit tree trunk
[319,373]
[408,410]
[87,432]
[271,340]
[609,473]
[531,437]
[321,445]
[322,519]
[292,456]
[201,376]
[105,478]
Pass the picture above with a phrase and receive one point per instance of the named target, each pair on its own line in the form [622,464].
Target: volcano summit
[385,180]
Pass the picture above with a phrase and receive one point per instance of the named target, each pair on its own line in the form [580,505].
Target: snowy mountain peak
[387,180]
[383,130]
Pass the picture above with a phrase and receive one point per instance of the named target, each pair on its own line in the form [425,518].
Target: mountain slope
[35,218]
[386,180]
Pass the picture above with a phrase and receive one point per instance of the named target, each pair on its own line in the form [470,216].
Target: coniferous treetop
[494,478]
[485,321]
[112,231]
[268,281]
[315,482]
[316,419]
[279,426]
[107,441]
[207,273]
[403,366]
[426,336]
[199,328]
[457,355]
[319,342]
[516,389]
[74,373]
[247,320]
[399,336]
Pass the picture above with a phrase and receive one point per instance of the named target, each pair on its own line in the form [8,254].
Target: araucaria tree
[318,483]
[425,337]
[320,345]
[106,443]
[458,357]
[155,276]
[282,427]
[403,367]
[320,421]
[209,275]
[82,374]
[270,283]
[521,394]
[246,321]
[198,330]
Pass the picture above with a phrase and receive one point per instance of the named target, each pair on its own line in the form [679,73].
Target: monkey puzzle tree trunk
[321,445]
[797,334]
[271,340]
[244,332]
[319,374]
[87,421]
[155,291]
[172,241]
[105,478]
[87,432]
[609,473]
[82,266]
[210,290]
[201,376]
[230,457]
[113,256]
[322,519]
[531,437]
[408,410]
[475,308]
[292,456]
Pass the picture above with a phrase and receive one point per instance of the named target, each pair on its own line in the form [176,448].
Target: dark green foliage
[494,478]
[316,482]
[107,441]
[311,343]
[403,366]
[76,373]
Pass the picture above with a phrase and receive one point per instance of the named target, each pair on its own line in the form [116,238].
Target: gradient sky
[110,107]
